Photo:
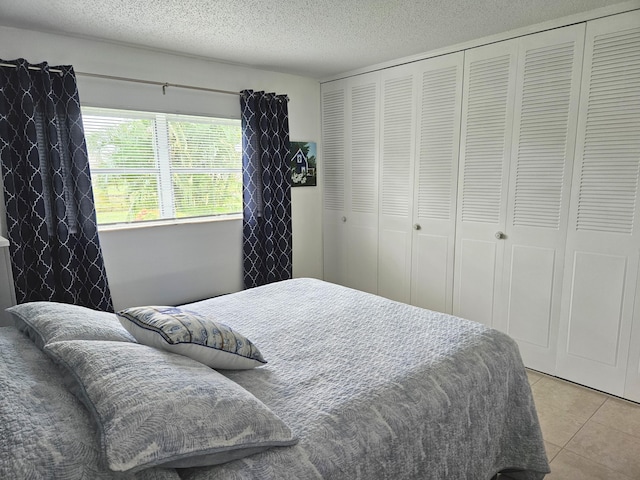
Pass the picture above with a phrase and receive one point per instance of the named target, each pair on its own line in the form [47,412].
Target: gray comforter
[373,389]
[376,389]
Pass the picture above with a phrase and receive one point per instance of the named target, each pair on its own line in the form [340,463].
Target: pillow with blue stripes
[188,333]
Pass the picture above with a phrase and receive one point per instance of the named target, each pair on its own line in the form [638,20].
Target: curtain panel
[51,220]
[267,238]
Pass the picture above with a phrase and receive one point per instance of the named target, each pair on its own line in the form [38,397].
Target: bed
[354,386]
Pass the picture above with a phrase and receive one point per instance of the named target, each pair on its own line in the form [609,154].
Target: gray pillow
[47,322]
[45,432]
[155,408]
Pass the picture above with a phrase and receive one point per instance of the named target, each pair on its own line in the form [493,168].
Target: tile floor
[588,435]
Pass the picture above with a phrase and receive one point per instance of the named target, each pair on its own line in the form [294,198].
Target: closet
[503,188]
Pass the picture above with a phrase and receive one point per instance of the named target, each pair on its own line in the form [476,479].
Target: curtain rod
[164,85]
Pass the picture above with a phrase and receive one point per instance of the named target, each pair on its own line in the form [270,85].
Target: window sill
[168,222]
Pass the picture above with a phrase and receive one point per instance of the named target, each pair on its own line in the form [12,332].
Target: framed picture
[303,164]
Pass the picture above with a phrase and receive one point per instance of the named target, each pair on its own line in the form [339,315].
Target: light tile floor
[588,435]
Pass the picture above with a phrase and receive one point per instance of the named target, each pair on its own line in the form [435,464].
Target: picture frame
[303,162]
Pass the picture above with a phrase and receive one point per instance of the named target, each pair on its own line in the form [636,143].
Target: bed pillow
[155,408]
[47,322]
[193,335]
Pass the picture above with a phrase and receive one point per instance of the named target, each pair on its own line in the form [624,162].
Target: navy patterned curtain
[51,220]
[266,191]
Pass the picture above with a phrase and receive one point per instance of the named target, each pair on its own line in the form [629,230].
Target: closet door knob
[417,226]
[500,235]
[344,219]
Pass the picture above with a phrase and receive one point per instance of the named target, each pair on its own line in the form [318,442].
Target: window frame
[163,169]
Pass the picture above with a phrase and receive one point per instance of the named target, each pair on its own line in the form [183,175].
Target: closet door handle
[417,226]
[344,219]
[500,235]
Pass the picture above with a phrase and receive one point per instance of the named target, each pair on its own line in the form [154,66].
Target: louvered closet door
[487,118]
[334,104]
[439,103]
[362,188]
[396,181]
[603,244]
[546,109]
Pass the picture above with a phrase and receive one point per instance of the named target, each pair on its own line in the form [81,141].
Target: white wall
[177,263]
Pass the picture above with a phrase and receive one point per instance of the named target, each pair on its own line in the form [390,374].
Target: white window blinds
[153,166]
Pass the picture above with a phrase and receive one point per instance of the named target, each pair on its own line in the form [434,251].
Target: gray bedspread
[376,389]
[45,433]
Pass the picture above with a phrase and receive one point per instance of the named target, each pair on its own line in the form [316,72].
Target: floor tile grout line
[579,386]
[608,425]
[601,423]
[583,425]
[563,380]
[565,449]
[592,461]
[580,429]
[604,424]
[555,445]
[603,399]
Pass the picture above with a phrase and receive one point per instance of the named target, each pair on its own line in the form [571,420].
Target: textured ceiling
[315,38]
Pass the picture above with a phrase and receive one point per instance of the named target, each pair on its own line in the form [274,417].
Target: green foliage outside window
[139,173]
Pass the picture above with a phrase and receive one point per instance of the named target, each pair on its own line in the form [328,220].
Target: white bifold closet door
[362,194]
[603,243]
[397,133]
[485,148]
[350,110]
[543,146]
[439,103]
[518,137]
[334,98]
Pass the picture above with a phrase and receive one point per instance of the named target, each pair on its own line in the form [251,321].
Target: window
[154,166]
